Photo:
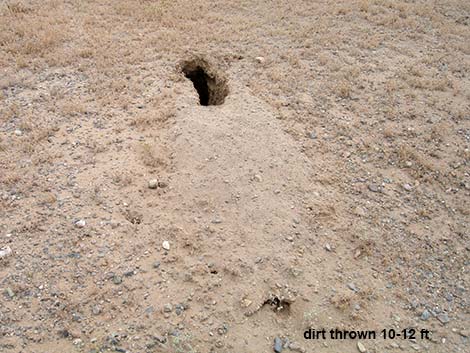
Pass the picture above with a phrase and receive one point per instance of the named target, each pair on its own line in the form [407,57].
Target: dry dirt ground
[330,189]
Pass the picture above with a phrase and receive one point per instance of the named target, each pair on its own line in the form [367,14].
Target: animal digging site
[234,176]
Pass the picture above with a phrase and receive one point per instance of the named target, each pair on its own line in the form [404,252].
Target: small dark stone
[353,287]
[277,345]
[160,339]
[64,333]
[425,315]
[117,279]
[443,318]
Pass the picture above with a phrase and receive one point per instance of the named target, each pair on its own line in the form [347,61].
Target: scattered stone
[153,184]
[361,347]
[295,347]
[258,178]
[113,338]
[18,132]
[167,308]
[374,188]
[464,333]
[156,264]
[425,315]
[117,279]
[5,252]
[179,308]
[166,245]
[160,339]
[149,310]
[129,273]
[9,292]
[407,187]
[260,60]
[352,286]
[443,318]
[77,341]
[277,345]
[96,310]
[80,223]
[222,330]
[246,303]
[327,247]
[313,135]
[162,184]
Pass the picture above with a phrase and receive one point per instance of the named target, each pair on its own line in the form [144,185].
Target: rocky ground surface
[329,190]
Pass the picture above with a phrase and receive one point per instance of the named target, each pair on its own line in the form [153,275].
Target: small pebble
[361,347]
[9,292]
[153,184]
[425,315]
[407,187]
[77,341]
[80,224]
[167,308]
[5,251]
[443,318]
[277,345]
[166,245]
[352,286]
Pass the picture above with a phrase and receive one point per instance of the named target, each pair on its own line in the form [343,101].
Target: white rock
[260,60]
[80,224]
[153,184]
[258,178]
[166,245]
[407,187]
[18,132]
[5,252]
[77,341]
[361,347]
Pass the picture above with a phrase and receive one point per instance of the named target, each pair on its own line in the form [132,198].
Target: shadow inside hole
[210,85]
[199,79]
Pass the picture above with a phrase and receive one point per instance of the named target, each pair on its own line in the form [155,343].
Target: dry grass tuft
[151,155]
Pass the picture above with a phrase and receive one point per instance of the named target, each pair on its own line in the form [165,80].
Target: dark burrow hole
[277,304]
[210,86]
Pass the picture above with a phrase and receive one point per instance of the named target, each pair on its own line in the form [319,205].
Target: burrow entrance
[210,85]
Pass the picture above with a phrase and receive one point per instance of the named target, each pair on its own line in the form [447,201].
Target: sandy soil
[327,188]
